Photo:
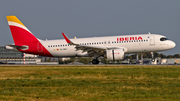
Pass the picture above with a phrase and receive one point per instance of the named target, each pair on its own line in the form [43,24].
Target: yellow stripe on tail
[14,19]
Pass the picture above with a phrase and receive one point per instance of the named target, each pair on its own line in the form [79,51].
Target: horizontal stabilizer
[15,47]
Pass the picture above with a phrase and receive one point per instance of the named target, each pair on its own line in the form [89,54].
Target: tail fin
[24,40]
[19,32]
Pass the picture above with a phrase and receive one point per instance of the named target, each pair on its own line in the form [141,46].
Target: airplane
[109,47]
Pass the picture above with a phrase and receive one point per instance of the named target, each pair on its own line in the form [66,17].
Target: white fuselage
[130,44]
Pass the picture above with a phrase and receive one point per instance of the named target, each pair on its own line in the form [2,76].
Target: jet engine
[115,54]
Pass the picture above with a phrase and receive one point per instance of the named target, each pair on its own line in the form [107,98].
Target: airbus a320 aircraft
[110,47]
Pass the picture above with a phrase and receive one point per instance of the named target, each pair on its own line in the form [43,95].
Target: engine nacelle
[115,54]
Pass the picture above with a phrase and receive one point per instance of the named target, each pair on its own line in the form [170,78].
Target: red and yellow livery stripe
[23,37]
[14,21]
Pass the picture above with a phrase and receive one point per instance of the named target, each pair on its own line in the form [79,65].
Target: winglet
[68,40]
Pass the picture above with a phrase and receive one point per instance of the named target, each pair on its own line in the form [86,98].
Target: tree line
[148,55]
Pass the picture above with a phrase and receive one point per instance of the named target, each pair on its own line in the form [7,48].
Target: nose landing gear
[153,59]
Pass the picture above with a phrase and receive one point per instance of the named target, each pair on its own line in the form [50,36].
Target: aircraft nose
[172,44]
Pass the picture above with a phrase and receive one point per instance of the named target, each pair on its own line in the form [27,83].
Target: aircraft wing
[90,49]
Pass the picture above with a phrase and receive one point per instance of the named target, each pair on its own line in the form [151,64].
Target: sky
[47,19]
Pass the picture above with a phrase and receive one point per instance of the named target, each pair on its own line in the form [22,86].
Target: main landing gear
[95,61]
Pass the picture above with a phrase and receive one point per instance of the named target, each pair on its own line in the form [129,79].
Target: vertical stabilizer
[19,31]
[24,40]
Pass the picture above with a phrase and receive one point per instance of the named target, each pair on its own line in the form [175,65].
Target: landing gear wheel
[95,61]
[153,59]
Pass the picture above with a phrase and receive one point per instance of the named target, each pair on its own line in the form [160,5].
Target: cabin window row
[129,41]
[59,45]
[98,43]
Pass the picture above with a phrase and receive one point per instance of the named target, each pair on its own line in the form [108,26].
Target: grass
[90,83]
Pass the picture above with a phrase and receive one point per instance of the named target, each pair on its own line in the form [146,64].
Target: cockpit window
[164,39]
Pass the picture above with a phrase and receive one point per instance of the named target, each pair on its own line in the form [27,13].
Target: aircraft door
[39,47]
[152,40]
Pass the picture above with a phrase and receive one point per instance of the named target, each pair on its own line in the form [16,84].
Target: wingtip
[63,34]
